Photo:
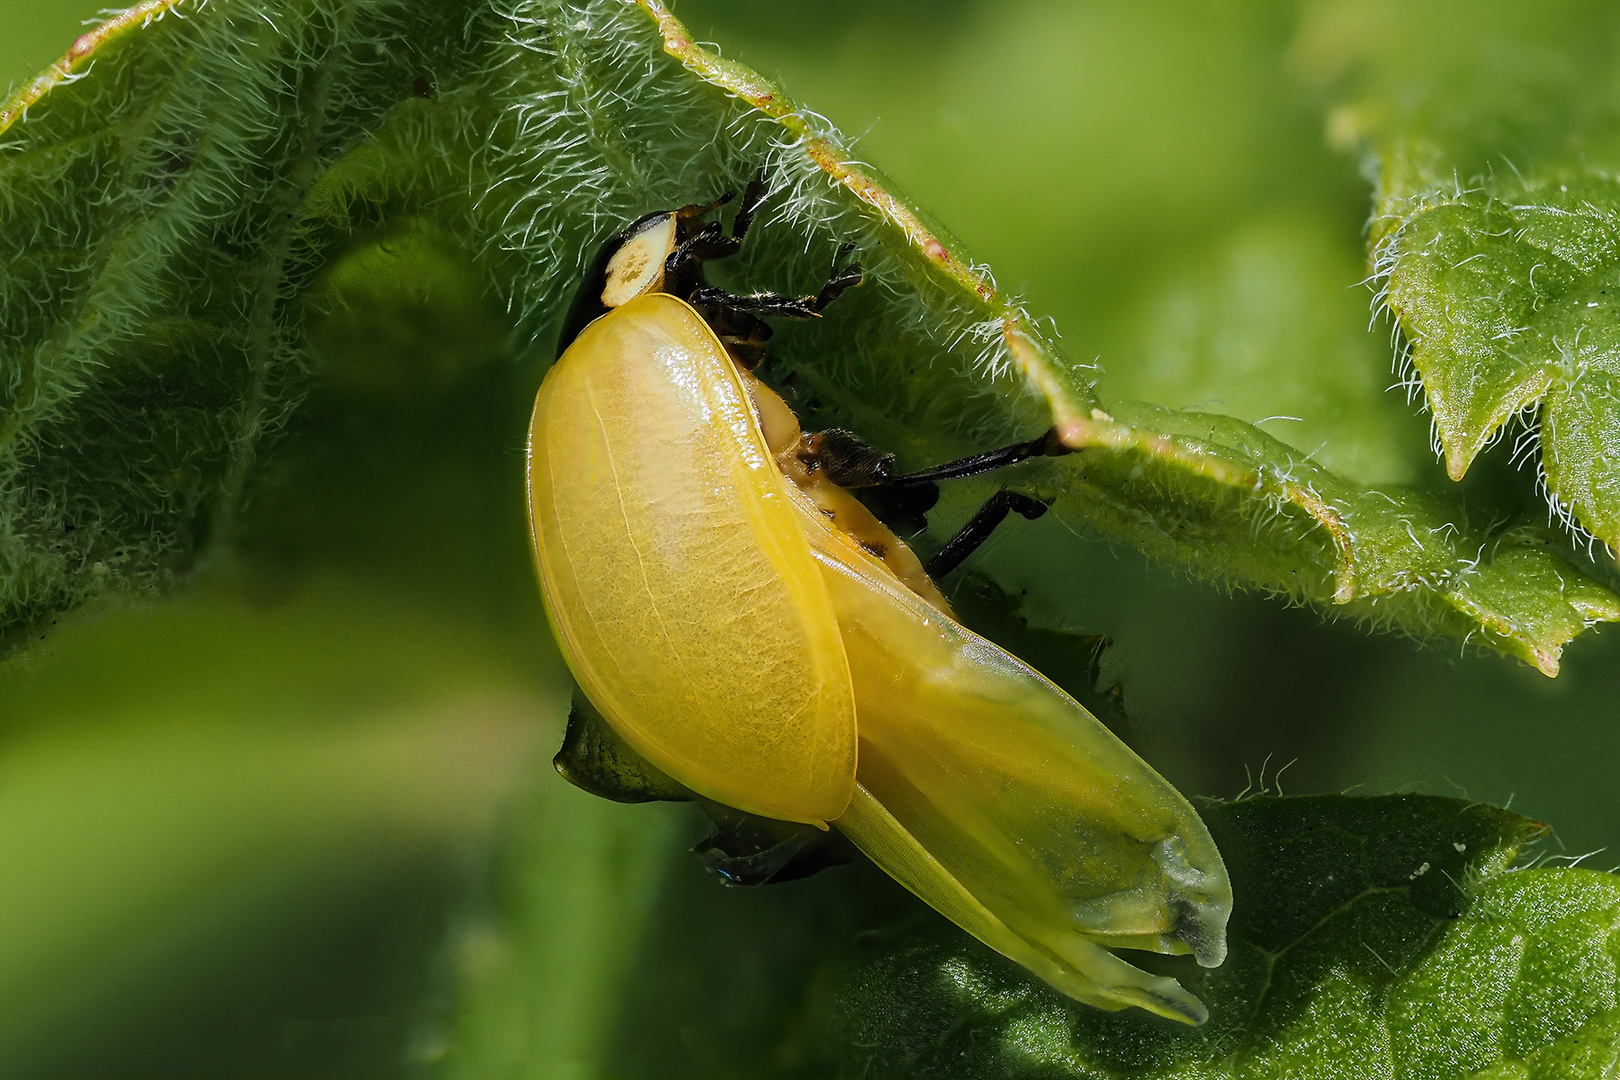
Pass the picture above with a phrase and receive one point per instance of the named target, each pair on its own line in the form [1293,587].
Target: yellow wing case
[676,572]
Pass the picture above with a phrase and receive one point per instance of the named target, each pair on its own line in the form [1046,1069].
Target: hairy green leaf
[1495,132]
[196,223]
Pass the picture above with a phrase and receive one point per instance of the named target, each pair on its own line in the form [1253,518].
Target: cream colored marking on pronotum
[736,618]
[637,268]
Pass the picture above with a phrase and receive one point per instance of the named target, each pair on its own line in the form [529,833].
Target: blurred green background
[302,821]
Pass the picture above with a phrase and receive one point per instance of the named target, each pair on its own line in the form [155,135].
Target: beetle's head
[633,262]
[629,263]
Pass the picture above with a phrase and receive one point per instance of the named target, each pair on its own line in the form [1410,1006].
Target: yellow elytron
[751,630]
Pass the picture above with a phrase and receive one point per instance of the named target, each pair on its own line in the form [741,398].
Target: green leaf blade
[1372,937]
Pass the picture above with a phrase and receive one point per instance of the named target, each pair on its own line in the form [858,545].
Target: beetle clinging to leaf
[746,632]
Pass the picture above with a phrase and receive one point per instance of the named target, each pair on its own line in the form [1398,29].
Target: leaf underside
[185,224]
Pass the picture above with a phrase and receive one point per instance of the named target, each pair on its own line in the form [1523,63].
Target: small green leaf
[1220,496]
[1495,131]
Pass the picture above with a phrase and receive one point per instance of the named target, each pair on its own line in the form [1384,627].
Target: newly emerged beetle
[752,633]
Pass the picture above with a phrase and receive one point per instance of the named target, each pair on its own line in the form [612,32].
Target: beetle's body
[745,624]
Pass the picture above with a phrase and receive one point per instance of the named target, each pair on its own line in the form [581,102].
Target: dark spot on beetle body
[877,551]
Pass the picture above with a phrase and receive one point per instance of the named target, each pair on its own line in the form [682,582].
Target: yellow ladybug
[754,632]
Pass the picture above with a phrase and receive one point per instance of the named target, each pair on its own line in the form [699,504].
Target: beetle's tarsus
[979,528]
[747,851]
[839,280]
[752,197]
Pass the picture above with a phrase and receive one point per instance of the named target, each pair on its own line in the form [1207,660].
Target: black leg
[748,851]
[710,242]
[1047,445]
[841,278]
[697,210]
[978,530]
[753,195]
[707,244]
